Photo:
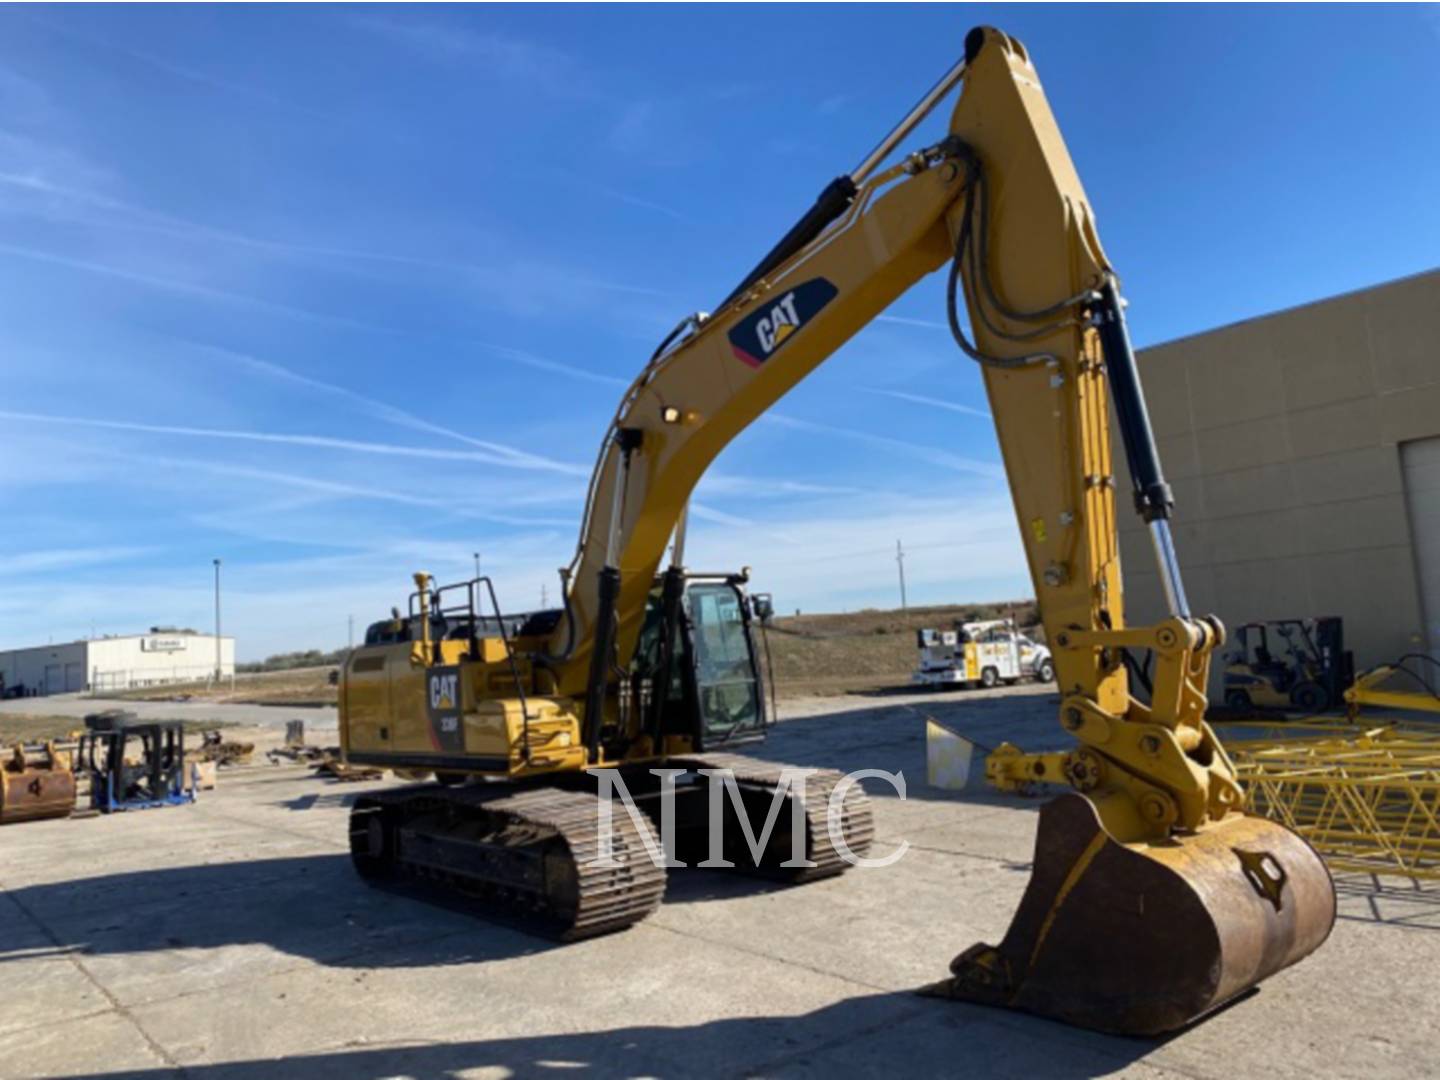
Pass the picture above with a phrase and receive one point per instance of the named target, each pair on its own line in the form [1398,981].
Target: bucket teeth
[1144,938]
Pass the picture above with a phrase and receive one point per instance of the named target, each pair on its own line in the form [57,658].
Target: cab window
[724,668]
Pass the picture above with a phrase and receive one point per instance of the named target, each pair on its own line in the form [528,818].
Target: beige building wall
[1281,438]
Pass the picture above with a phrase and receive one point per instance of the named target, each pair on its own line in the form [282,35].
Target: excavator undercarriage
[540,853]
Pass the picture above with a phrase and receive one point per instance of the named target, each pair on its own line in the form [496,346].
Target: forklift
[1288,664]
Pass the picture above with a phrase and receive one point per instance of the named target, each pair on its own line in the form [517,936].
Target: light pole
[900,562]
[219,668]
[477,564]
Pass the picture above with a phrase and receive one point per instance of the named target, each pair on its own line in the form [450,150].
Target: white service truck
[980,654]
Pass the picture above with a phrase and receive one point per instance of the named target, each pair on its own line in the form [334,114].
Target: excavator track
[529,855]
[532,855]
[757,781]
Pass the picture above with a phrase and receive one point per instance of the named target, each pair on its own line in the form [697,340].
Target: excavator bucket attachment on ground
[1140,939]
[36,785]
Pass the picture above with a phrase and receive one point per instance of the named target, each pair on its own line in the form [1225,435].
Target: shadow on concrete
[313,907]
[342,798]
[882,692]
[881,1035]
[1369,898]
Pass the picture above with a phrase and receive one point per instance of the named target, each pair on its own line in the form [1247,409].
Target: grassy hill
[867,650]
[812,654]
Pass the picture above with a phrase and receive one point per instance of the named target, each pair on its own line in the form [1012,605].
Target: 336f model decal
[756,337]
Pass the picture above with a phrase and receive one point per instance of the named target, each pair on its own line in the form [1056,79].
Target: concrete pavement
[230,940]
[268,716]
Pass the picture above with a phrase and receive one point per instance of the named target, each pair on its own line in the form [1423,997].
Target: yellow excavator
[1153,899]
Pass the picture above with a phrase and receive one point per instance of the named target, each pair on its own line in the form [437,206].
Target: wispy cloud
[935,456]
[556,367]
[508,459]
[176,285]
[636,200]
[67,202]
[933,402]
[631,130]
[196,76]
[24,100]
[761,487]
[340,489]
[36,562]
[905,320]
[391,413]
[702,512]
[131,215]
[34,158]
[659,132]
[485,53]
[964,547]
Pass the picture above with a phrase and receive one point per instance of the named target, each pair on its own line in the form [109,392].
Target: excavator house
[1153,898]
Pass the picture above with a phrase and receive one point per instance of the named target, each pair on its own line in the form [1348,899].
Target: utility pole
[477,564]
[544,599]
[352,632]
[219,667]
[900,562]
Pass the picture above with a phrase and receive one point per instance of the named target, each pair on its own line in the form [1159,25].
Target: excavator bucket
[1144,938]
[36,785]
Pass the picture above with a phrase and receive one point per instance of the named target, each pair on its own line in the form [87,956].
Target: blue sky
[339,293]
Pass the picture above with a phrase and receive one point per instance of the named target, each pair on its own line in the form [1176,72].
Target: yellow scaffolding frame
[1367,799]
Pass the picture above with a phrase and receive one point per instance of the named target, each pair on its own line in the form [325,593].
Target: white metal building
[115,663]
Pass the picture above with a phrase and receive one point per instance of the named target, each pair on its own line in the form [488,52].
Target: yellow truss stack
[1367,799]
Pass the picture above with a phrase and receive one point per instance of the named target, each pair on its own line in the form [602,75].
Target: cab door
[727,687]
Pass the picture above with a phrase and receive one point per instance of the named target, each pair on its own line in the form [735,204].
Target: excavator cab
[713,691]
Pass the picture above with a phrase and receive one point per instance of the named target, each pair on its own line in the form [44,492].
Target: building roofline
[110,637]
[155,633]
[1303,305]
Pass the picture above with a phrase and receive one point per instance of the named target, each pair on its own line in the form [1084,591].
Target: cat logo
[778,325]
[761,333]
[447,729]
[442,690]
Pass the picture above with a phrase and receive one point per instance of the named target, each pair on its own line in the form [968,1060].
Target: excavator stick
[1145,938]
[1154,900]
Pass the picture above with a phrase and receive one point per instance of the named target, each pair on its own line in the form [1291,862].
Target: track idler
[1144,938]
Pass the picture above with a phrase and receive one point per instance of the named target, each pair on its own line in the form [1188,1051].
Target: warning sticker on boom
[756,337]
